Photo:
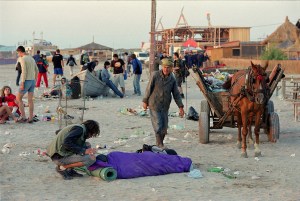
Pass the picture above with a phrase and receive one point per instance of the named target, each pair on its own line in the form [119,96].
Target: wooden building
[203,35]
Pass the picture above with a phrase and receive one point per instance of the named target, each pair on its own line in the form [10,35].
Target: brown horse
[250,87]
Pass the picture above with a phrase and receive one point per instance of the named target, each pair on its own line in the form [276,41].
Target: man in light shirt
[27,84]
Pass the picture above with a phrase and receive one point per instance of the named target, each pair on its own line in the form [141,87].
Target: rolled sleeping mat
[107,174]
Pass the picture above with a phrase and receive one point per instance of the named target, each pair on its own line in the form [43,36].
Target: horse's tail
[227,84]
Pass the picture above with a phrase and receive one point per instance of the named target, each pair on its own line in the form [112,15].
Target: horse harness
[247,90]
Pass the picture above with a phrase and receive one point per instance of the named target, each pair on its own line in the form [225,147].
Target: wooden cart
[217,108]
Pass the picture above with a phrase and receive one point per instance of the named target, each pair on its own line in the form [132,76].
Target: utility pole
[152,36]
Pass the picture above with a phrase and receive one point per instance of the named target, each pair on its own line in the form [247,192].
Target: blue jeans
[159,121]
[111,85]
[136,84]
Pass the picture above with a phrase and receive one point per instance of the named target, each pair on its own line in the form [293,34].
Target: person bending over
[69,149]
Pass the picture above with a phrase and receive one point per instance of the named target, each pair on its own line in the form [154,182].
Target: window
[236,52]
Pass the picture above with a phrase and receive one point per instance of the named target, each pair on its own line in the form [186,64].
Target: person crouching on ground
[69,149]
[105,78]
[158,97]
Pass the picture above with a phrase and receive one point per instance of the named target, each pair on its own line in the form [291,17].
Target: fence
[289,66]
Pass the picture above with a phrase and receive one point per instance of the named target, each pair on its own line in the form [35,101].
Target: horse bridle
[248,88]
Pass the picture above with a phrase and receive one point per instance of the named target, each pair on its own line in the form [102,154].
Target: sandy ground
[274,176]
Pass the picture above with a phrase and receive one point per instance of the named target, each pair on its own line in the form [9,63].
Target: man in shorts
[58,64]
[119,71]
[27,84]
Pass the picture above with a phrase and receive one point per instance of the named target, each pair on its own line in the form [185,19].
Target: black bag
[192,114]
[156,149]
[71,62]
[75,87]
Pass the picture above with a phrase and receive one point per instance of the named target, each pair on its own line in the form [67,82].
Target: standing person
[28,78]
[158,98]
[118,72]
[43,69]
[58,63]
[19,69]
[71,62]
[157,63]
[137,72]
[164,55]
[178,71]
[125,59]
[37,56]
[129,66]
[84,58]
[105,78]
[69,149]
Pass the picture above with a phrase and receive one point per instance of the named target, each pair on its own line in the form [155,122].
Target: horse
[249,91]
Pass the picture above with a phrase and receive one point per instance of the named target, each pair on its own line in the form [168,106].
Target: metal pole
[152,36]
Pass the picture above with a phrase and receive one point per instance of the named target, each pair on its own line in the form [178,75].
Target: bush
[273,54]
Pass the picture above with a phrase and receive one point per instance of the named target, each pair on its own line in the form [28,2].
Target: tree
[273,53]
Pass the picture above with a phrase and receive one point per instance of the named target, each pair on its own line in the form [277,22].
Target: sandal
[21,120]
[30,121]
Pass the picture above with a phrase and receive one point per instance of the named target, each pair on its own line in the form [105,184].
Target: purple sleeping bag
[131,165]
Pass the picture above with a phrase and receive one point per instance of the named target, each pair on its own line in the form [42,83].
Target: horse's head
[257,82]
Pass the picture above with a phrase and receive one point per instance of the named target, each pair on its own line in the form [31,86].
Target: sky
[126,24]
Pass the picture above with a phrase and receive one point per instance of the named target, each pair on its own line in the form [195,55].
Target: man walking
[179,72]
[137,72]
[27,84]
[71,62]
[58,64]
[158,98]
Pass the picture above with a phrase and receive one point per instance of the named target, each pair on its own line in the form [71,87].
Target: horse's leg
[250,138]
[244,116]
[239,124]
[257,151]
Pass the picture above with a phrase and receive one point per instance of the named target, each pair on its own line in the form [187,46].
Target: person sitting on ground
[5,111]
[69,149]
[12,103]
[62,89]
[105,78]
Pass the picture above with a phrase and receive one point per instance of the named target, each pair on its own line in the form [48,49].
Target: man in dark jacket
[71,62]
[69,149]
[158,98]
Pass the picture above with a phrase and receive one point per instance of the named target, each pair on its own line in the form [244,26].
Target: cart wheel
[270,107]
[274,127]
[204,107]
[203,128]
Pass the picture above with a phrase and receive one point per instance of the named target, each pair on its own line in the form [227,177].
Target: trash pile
[137,112]
[215,80]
